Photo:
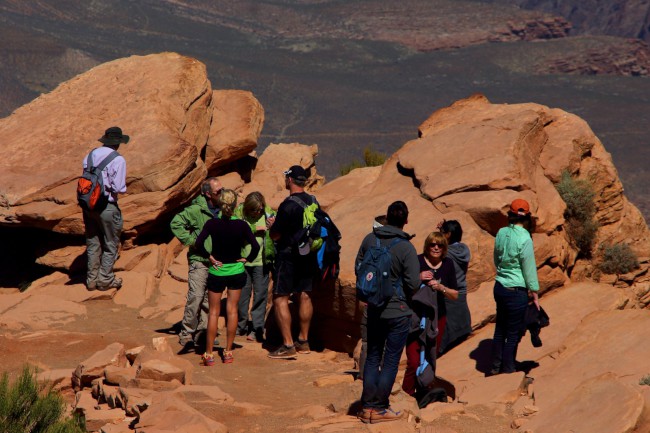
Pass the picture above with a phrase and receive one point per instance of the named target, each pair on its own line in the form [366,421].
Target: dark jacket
[459,253]
[404,266]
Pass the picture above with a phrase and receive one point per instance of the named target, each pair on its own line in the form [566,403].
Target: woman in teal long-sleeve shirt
[514,259]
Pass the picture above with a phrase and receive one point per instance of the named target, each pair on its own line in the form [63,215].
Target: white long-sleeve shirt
[114,175]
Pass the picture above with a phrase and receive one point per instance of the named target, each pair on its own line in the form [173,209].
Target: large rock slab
[268,177]
[39,311]
[169,413]
[237,121]
[163,101]
[93,367]
[584,408]
[466,365]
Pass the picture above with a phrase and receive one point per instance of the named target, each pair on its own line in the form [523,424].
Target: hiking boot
[384,415]
[207,359]
[115,284]
[227,357]
[283,352]
[185,340]
[302,347]
[365,415]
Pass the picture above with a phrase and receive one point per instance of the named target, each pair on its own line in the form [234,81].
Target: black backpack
[90,186]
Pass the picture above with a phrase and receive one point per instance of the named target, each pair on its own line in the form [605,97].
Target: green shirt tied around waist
[514,258]
[227,269]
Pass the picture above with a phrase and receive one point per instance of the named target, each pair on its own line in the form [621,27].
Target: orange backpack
[90,186]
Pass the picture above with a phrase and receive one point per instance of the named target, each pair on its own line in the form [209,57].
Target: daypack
[90,186]
[374,284]
[319,235]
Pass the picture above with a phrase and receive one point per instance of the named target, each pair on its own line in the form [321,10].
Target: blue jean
[510,325]
[386,338]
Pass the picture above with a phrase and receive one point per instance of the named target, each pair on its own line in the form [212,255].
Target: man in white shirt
[104,225]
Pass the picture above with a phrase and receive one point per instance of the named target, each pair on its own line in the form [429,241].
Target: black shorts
[220,283]
[294,275]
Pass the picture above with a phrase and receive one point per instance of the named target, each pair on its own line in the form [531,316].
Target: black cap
[297,172]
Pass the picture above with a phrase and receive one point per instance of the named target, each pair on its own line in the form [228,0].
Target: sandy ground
[270,395]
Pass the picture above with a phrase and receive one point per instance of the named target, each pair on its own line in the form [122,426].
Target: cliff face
[627,18]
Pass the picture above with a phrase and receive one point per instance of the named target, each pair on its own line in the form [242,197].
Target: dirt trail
[270,395]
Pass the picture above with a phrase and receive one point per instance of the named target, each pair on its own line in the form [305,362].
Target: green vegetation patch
[371,158]
[27,407]
[581,226]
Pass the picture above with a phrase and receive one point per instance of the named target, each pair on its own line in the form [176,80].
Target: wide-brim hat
[114,136]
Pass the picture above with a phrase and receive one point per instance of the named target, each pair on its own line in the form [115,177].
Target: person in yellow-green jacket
[259,217]
[516,279]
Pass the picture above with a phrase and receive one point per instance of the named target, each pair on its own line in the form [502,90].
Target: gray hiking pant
[257,284]
[195,317]
[103,231]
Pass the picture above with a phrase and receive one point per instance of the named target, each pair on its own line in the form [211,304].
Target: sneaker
[207,359]
[302,347]
[365,415]
[250,337]
[283,352]
[227,357]
[385,415]
[115,284]
[91,285]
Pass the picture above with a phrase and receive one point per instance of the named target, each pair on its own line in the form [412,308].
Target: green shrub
[581,226]
[618,259]
[26,407]
[645,380]
[371,158]
[349,167]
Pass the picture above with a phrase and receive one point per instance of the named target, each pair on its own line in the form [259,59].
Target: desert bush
[371,158]
[617,259]
[27,407]
[645,380]
[581,226]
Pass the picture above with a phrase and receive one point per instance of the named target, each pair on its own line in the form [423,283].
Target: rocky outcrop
[471,160]
[164,102]
[628,57]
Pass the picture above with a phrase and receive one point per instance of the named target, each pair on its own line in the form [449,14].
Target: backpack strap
[295,199]
[102,165]
[302,204]
[111,156]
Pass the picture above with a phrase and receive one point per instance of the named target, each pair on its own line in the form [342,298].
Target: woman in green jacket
[259,217]
[516,278]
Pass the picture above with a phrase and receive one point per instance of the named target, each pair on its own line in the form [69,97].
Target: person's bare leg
[283,317]
[214,300]
[305,312]
[232,312]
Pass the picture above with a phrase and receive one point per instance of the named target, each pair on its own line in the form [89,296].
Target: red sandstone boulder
[237,121]
[162,101]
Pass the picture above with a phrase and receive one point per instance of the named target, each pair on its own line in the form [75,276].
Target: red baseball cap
[520,207]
